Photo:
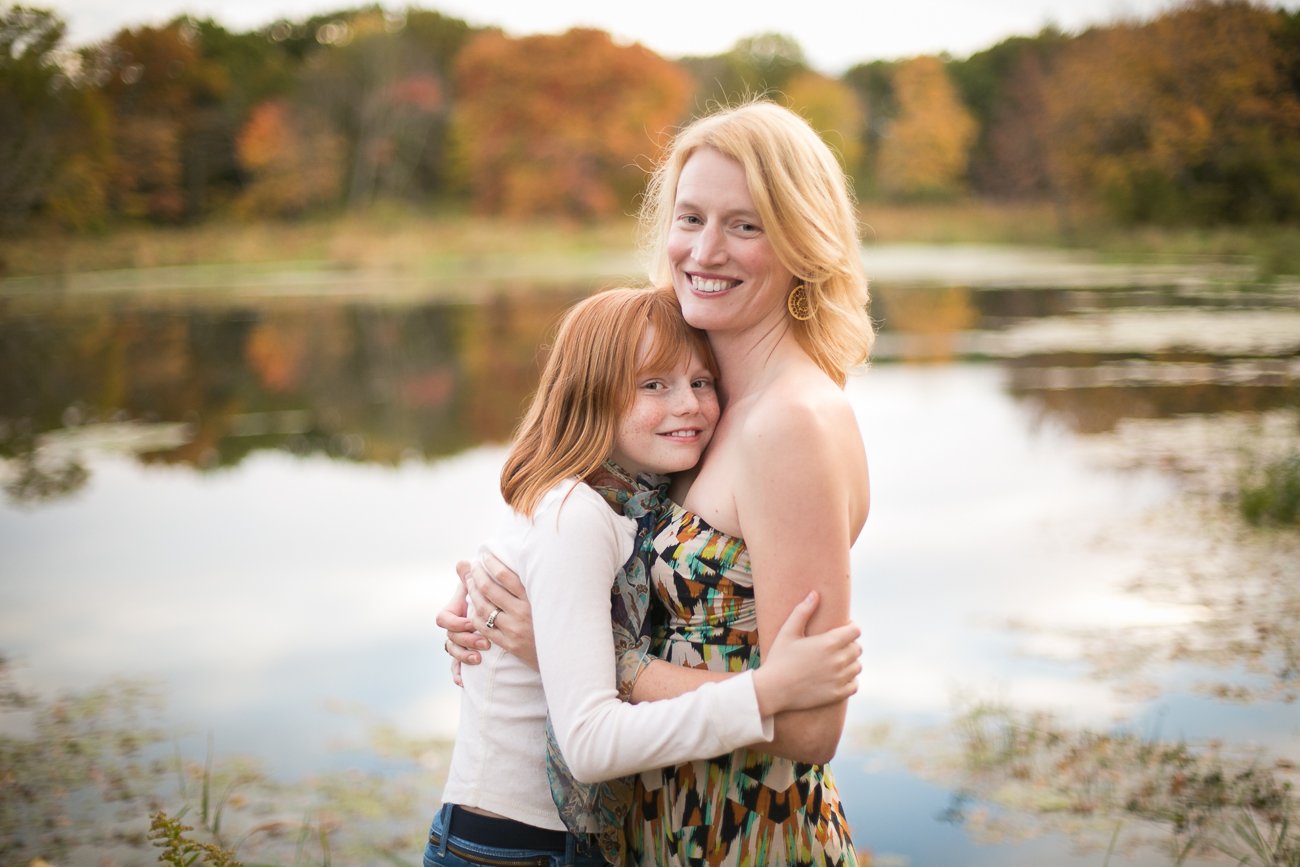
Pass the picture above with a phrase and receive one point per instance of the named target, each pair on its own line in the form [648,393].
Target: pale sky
[835,34]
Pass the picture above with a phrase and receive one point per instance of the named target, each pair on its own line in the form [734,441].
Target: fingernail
[473,658]
[482,644]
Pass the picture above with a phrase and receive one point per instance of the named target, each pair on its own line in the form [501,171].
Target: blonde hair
[589,383]
[804,202]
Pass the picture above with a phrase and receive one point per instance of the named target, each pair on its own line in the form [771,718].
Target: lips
[682,434]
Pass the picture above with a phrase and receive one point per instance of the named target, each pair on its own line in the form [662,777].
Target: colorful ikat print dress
[743,809]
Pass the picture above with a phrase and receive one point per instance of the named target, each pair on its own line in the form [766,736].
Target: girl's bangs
[674,341]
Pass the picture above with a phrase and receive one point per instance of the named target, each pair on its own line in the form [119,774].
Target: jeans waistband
[505,833]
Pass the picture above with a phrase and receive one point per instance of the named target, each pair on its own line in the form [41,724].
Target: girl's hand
[800,672]
[462,643]
[502,591]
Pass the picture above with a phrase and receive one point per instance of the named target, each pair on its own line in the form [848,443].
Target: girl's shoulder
[573,505]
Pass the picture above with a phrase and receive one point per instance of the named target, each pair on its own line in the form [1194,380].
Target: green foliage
[754,65]
[53,139]
[1274,496]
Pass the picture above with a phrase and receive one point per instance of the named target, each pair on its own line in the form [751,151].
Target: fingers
[463,647]
[455,673]
[504,578]
[463,568]
[797,623]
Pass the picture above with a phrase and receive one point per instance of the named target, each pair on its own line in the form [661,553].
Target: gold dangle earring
[800,306]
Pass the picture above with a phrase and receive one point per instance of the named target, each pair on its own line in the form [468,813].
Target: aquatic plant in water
[86,771]
[1017,775]
[1273,497]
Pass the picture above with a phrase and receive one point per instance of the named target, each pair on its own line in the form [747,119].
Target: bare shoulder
[804,411]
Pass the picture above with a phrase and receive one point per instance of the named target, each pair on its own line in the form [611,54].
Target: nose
[687,402]
[710,248]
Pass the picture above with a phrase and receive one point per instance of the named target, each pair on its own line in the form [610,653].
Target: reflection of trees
[1018,775]
[349,380]
[1096,409]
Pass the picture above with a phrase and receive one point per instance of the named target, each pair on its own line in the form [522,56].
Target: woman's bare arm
[801,497]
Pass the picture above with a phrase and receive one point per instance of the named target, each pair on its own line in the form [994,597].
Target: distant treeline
[1193,117]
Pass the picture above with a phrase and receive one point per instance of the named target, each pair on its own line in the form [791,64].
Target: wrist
[767,691]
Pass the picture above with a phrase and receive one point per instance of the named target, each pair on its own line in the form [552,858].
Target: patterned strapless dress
[743,809]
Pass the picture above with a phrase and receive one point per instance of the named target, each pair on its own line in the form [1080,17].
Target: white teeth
[683,433]
[699,284]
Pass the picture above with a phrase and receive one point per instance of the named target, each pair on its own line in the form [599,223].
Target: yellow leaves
[832,108]
[557,124]
[928,148]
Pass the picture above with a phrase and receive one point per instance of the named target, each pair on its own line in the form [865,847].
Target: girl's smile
[671,418]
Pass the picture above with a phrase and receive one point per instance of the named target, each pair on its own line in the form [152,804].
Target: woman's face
[672,417]
[726,274]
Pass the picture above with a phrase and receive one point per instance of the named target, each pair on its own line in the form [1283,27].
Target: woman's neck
[749,359]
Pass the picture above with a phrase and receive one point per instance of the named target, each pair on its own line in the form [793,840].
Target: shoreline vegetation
[465,253]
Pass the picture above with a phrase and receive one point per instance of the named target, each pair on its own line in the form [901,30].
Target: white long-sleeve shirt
[567,559]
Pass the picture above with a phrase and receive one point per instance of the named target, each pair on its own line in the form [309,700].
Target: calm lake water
[256,504]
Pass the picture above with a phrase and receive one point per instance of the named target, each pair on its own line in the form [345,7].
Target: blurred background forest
[1189,119]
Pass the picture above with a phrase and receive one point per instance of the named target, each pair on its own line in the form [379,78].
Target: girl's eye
[702,383]
[654,385]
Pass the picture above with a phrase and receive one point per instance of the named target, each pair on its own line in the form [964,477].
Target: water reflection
[207,386]
[1065,457]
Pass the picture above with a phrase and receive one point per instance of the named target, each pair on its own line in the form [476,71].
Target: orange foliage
[557,124]
[929,146]
[290,170]
[1190,115]
[832,108]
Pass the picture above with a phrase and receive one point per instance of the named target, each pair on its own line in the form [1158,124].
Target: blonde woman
[750,220]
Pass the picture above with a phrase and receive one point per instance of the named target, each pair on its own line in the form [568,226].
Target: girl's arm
[567,563]
[568,574]
[825,667]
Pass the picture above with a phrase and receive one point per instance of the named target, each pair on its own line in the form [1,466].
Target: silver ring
[492,618]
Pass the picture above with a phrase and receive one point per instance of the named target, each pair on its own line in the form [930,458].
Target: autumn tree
[1002,87]
[156,80]
[1190,117]
[291,165]
[927,147]
[54,147]
[382,90]
[833,110]
[557,124]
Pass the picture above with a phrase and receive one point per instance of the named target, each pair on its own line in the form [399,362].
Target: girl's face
[671,419]
[726,274]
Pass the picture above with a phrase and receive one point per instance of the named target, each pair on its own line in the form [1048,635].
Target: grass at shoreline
[401,239]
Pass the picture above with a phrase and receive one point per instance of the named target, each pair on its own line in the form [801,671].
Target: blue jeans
[446,851]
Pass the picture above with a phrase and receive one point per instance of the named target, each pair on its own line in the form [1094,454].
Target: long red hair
[588,384]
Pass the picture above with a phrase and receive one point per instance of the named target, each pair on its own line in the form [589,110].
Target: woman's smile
[725,271]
